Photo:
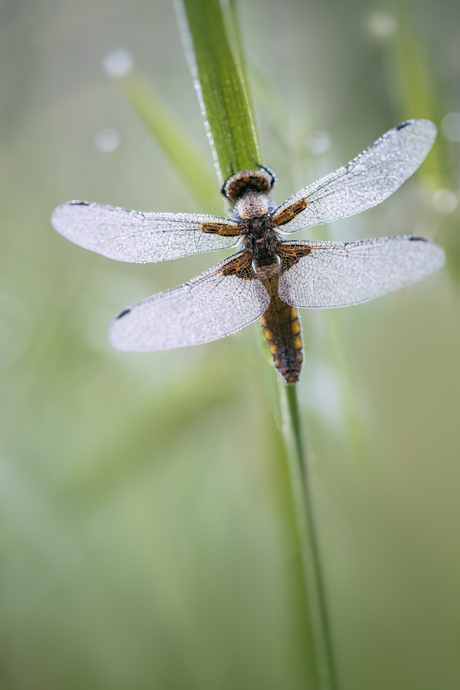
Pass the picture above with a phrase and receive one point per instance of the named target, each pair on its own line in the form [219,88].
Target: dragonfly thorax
[253,209]
[252,205]
[260,239]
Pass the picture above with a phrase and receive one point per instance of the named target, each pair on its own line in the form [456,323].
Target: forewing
[140,237]
[366,181]
[334,274]
[216,303]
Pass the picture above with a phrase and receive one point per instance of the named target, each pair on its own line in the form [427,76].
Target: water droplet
[118,63]
[107,140]
[450,126]
[381,25]
[444,201]
[319,142]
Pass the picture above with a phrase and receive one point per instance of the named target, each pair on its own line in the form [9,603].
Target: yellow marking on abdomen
[281,329]
[297,342]
[268,334]
[295,327]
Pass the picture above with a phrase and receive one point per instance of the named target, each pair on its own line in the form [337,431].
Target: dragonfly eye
[246,181]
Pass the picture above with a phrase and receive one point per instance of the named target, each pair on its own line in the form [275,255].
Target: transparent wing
[336,274]
[366,181]
[216,303]
[140,237]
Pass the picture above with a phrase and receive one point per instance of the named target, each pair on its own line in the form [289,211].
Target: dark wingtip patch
[123,313]
[417,239]
[403,124]
[78,203]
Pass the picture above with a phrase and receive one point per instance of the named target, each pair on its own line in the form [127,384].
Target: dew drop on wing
[123,313]
[78,203]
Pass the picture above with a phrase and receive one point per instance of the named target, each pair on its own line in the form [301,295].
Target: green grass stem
[309,541]
[219,75]
[221,90]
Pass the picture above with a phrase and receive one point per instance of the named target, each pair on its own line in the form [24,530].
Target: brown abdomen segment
[281,328]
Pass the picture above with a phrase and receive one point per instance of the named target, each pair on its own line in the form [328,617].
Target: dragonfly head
[247,181]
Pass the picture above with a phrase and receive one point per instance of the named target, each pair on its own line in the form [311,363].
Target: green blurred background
[147,536]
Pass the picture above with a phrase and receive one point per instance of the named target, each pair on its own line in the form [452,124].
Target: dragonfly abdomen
[281,328]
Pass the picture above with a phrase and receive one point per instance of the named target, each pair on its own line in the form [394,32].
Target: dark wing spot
[123,313]
[221,229]
[403,124]
[290,254]
[290,212]
[240,266]
[417,239]
[78,203]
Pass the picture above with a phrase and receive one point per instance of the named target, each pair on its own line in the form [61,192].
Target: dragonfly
[270,276]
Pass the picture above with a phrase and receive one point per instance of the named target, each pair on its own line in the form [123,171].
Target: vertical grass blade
[309,544]
[222,93]
[217,64]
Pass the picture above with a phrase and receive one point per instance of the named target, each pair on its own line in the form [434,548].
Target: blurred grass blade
[173,138]
[219,82]
[273,107]
[414,88]
[417,94]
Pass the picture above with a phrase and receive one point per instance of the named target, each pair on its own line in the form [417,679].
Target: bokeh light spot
[444,201]
[107,140]
[381,25]
[319,142]
[118,63]
[451,127]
